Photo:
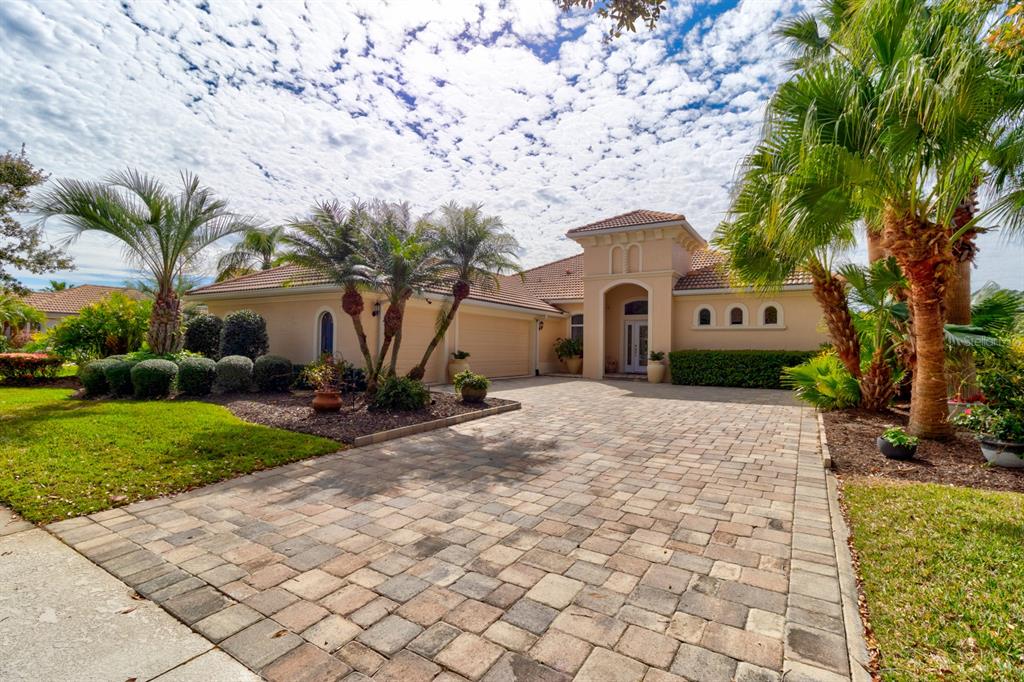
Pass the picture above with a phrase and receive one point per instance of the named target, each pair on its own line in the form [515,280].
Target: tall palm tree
[401,261]
[258,249]
[472,249]
[162,232]
[328,241]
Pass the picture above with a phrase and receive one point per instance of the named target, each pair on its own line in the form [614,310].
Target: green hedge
[741,368]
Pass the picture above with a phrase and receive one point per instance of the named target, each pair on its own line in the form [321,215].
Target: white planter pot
[456,366]
[655,372]
[1002,454]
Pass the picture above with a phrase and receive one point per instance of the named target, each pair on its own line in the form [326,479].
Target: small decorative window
[326,329]
[635,308]
[771,315]
[576,327]
[704,317]
[736,316]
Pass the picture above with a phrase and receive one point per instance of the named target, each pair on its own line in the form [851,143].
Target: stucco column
[593,329]
[659,317]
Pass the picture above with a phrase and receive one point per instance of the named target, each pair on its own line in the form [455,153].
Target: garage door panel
[498,346]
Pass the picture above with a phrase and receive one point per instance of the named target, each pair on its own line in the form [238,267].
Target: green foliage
[153,378]
[900,438]
[27,367]
[470,380]
[234,374]
[119,375]
[196,376]
[202,335]
[114,325]
[460,355]
[244,333]
[999,423]
[272,373]
[93,377]
[15,313]
[568,348]
[657,355]
[743,368]
[823,382]
[400,394]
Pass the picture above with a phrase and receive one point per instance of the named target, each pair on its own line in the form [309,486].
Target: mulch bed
[292,411]
[851,441]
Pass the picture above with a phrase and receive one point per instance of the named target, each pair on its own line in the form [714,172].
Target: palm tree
[473,249]
[256,250]
[162,232]
[328,241]
[57,285]
[15,314]
[401,261]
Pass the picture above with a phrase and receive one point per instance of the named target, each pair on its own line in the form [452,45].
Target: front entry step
[630,376]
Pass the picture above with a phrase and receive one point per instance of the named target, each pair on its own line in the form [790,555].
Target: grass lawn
[61,457]
[943,573]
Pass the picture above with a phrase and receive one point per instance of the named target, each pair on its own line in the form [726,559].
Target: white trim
[316,331]
[742,290]
[780,316]
[696,317]
[727,320]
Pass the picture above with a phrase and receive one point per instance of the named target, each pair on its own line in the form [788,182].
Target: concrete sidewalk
[64,618]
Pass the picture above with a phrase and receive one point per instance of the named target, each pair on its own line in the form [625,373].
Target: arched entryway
[626,328]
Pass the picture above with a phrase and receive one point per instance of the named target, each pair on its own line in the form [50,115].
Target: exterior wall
[800,323]
[555,328]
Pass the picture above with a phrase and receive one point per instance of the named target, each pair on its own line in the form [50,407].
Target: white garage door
[498,346]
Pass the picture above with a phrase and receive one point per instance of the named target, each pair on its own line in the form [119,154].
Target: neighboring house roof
[511,290]
[70,301]
[631,219]
[708,271]
[562,279]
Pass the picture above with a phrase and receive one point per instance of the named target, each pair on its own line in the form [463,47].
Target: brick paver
[605,531]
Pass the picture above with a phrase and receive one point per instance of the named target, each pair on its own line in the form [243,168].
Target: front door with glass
[635,351]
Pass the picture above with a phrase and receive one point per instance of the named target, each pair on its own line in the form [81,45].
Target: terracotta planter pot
[574,365]
[456,366]
[326,401]
[473,395]
[1002,454]
[895,451]
[655,372]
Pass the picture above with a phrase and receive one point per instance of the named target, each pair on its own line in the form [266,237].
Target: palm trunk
[876,386]
[392,326]
[923,252]
[164,334]
[393,368]
[352,304]
[420,369]
[875,250]
[830,292]
[962,376]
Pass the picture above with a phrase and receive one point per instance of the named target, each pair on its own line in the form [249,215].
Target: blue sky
[505,102]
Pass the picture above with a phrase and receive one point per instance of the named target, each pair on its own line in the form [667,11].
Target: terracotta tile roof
[511,291]
[638,217]
[70,301]
[562,279]
[708,272]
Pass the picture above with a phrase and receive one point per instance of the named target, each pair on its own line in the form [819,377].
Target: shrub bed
[244,333]
[17,367]
[234,373]
[196,375]
[272,373]
[202,335]
[739,368]
[153,378]
[118,372]
[400,393]
[93,377]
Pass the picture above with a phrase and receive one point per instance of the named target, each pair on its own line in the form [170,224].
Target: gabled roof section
[708,271]
[560,280]
[71,301]
[631,219]
[511,291]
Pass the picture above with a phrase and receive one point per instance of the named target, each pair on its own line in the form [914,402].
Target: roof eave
[733,290]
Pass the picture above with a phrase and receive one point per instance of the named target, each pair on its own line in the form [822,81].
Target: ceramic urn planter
[326,401]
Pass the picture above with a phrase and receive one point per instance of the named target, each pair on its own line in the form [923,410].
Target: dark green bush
[742,368]
[153,378]
[234,374]
[119,375]
[244,333]
[202,335]
[272,373]
[400,393]
[196,375]
[93,377]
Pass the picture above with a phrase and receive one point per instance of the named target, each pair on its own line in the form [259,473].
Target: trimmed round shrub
[234,374]
[244,333]
[272,373]
[93,377]
[202,335]
[196,375]
[119,376]
[153,378]
[400,394]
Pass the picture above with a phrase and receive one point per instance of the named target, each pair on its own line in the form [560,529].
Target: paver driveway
[607,531]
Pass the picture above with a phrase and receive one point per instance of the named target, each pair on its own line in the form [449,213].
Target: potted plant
[473,387]
[656,367]
[570,351]
[457,364]
[1000,431]
[324,377]
[896,443]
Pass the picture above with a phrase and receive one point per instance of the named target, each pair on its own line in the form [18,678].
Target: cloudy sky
[276,104]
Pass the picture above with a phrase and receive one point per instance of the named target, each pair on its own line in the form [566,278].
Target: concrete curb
[856,645]
[391,434]
[826,456]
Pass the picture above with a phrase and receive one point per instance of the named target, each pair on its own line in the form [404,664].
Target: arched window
[771,315]
[576,327]
[635,308]
[326,334]
[704,317]
[633,258]
[616,257]
[736,316]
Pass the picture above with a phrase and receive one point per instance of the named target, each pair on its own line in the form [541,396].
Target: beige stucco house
[56,305]
[644,281]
